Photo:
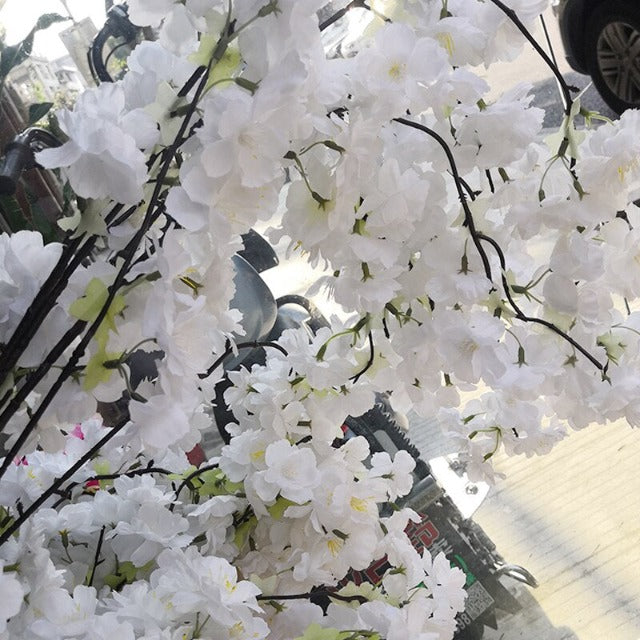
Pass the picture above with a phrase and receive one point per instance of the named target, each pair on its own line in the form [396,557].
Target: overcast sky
[19,16]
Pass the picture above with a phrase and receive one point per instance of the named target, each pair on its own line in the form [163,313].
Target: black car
[602,39]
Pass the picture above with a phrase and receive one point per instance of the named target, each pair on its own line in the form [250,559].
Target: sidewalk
[572,518]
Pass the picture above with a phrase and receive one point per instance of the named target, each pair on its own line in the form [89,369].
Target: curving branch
[314,593]
[65,494]
[369,362]
[254,344]
[188,479]
[478,238]
[525,318]
[513,16]
[468,216]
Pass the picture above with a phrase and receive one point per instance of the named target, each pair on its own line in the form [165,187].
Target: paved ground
[572,519]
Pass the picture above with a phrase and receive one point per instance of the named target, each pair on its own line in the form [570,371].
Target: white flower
[108,627]
[160,422]
[290,471]
[152,529]
[398,67]
[149,12]
[65,615]
[150,66]
[445,582]
[11,595]
[102,156]
[189,582]
[398,471]
[25,263]
[470,347]
[249,141]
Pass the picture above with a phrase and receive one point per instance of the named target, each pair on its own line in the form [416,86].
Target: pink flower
[77,432]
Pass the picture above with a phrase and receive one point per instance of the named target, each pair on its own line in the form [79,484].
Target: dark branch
[511,14]
[256,344]
[525,318]
[468,216]
[188,479]
[357,376]
[314,593]
[58,482]
[96,557]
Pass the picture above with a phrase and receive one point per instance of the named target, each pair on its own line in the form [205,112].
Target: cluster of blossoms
[487,277]
[170,551]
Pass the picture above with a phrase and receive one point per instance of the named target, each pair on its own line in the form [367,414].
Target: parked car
[601,38]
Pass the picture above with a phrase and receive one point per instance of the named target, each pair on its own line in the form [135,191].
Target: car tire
[612,46]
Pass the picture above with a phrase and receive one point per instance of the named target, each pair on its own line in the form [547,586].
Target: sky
[19,16]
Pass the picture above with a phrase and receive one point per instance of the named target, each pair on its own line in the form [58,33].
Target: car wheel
[613,53]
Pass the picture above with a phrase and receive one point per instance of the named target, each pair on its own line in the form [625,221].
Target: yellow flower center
[358,504]
[446,41]
[396,70]
[334,546]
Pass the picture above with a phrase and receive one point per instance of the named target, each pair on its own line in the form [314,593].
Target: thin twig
[35,314]
[188,479]
[468,216]
[66,493]
[58,482]
[131,248]
[479,237]
[358,375]
[313,593]
[255,344]
[513,16]
[96,557]
[525,318]
[32,381]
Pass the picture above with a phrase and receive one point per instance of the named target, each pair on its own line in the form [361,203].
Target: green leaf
[95,372]
[95,296]
[38,111]
[88,307]
[228,64]
[243,531]
[91,221]
[205,50]
[276,510]
[213,483]
[69,223]
[125,574]
[14,55]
